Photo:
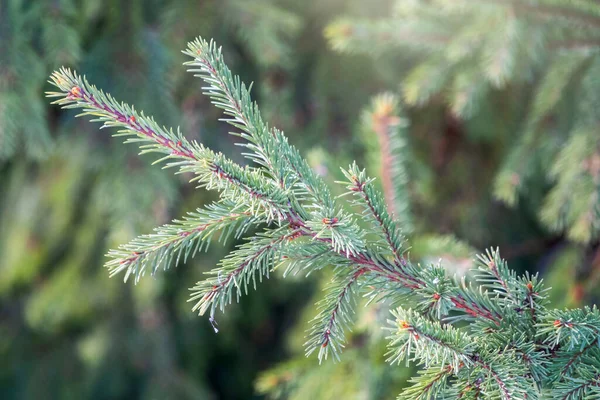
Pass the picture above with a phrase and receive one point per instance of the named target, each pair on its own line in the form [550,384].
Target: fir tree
[491,337]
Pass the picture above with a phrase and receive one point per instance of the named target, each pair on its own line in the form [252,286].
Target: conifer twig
[504,350]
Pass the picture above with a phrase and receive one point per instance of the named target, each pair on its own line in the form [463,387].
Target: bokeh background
[479,143]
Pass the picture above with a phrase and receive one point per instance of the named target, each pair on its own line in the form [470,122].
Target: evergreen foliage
[68,194]
[466,54]
[491,336]
[364,358]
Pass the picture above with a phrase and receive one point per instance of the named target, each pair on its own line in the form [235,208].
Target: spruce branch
[307,256]
[429,342]
[184,237]
[587,386]
[375,210]
[571,329]
[76,92]
[567,363]
[507,344]
[266,198]
[239,269]
[428,384]
[496,275]
[335,312]
[468,390]
[475,303]
[268,147]
[212,170]
[505,377]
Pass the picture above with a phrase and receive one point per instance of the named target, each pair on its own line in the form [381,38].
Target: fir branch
[76,92]
[512,348]
[502,385]
[335,310]
[571,329]
[585,387]
[183,238]
[239,269]
[430,342]
[533,294]
[431,286]
[212,170]
[309,256]
[566,362]
[496,275]
[470,390]
[269,148]
[475,303]
[428,384]
[266,198]
[505,375]
[341,232]
[375,207]
[236,182]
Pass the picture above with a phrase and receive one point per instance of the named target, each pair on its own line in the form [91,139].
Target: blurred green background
[69,192]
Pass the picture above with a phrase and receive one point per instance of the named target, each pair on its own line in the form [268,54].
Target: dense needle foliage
[493,337]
